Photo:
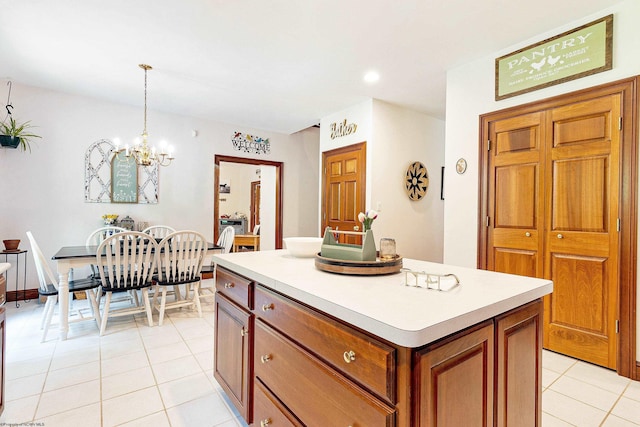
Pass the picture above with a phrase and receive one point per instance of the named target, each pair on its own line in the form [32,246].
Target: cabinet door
[519,367]
[455,380]
[233,347]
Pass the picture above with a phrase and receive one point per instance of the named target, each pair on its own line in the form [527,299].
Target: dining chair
[126,262]
[225,241]
[99,234]
[180,258]
[49,289]
[159,231]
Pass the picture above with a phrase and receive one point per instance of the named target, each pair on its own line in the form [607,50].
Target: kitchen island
[302,346]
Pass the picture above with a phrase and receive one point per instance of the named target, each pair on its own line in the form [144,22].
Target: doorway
[277,220]
[558,200]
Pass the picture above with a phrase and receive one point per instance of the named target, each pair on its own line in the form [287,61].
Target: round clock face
[461,166]
[416,181]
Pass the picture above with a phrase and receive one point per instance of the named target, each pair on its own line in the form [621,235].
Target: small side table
[17,254]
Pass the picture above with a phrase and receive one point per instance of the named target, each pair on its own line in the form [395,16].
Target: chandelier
[144,154]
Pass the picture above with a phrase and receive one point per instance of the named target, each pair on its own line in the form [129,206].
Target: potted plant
[13,134]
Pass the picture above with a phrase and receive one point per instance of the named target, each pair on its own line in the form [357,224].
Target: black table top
[83,251]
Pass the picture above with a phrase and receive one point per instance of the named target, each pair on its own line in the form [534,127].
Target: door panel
[582,240]
[344,186]
[515,206]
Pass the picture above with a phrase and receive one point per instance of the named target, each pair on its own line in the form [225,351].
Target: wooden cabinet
[519,367]
[455,380]
[233,347]
[285,363]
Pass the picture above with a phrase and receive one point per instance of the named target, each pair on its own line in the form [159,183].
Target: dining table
[69,257]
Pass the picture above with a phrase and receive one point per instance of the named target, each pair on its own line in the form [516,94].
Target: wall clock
[416,181]
[461,166]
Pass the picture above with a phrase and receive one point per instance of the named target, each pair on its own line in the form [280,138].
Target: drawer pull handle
[265,422]
[244,332]
[267,307]
[265,358]
[349,356]
[228,285]
[527,234]
[560,236]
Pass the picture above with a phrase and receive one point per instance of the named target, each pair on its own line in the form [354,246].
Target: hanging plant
[14,134]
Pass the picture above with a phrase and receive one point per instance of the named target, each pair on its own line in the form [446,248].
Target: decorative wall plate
[461,166]
[416,181]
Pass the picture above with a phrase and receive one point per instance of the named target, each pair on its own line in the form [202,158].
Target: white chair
[126,262]
[159,231]
[98,235]
[180,259]
[49,289]
[226,239]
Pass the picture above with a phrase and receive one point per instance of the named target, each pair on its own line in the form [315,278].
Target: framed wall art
[571,55]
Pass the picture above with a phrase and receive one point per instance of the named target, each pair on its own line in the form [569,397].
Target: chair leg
[147,305]
[163,303]
[105,313]
[49,307]
[95,309]
[196,298]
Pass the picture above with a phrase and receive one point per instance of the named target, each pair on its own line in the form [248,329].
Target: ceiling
[276,65]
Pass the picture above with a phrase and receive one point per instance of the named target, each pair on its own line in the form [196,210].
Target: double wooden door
[553,211]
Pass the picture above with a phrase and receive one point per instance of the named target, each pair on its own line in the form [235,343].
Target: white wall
[43,191]
[396,137]
[470,93]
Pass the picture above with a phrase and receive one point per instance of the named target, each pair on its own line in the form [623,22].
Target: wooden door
[255,205]
[516,195]
[582,168]
[344,189]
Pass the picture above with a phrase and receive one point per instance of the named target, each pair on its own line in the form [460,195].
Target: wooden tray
[360,268]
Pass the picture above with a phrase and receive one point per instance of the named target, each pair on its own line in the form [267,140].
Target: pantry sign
[577,53]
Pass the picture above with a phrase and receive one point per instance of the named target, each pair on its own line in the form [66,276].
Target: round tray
[360,268]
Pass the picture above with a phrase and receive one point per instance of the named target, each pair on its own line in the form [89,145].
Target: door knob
[356,228]
[527,234]
[560,236]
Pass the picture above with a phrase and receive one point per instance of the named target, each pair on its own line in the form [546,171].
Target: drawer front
[319,395]
[237,288]
[269,411]
[362,358]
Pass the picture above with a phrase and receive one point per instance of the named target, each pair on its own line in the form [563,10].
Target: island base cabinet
[269,411]
[313,391]
[519,367]
[232,367]
[455,380]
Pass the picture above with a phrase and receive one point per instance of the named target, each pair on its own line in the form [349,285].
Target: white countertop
[382,305]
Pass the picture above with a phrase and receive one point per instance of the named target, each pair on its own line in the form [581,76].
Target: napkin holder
[345,251]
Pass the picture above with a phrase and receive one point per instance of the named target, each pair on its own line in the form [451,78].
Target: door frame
[216,190]
[628,88]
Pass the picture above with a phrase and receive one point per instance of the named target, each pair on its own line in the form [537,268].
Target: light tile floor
[163,376]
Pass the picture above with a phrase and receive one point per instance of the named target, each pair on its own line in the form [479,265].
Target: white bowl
[303,247]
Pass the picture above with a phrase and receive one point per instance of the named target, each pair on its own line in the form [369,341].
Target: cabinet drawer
[311,389]
[237,288]
[269,411]
[361,357]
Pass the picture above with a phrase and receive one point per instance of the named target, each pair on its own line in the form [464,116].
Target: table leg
[63,299]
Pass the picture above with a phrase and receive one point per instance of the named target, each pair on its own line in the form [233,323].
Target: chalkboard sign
[124,179]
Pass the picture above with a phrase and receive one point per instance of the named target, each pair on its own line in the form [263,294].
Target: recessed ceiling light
[371,77]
